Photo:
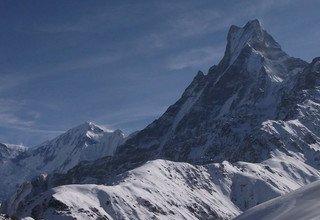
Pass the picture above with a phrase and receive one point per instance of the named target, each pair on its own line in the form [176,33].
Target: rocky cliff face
[258,105]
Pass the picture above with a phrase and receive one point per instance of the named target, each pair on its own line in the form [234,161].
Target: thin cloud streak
[195,58]
[10,117]
[129,115]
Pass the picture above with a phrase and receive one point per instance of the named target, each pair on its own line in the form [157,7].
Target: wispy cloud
[101,19]
[11,80]
[190,22]
[8,114]
[63,28]
[68,66]
[195,58]
[83,63]
[127,115]
[15,115]
[186,24]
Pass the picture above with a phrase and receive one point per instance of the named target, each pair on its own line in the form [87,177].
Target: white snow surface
[299,204]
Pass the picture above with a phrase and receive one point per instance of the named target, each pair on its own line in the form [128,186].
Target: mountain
[299,204]
[85,142]
[219,111]
[246,132]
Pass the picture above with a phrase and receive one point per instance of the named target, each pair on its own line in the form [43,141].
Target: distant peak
[82,129]
[92,127]
[89,125]
[86,129]
[13,146]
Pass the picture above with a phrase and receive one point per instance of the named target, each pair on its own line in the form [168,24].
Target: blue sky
[122,63]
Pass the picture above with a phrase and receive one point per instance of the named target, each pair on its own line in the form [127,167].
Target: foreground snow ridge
[299,204]
[162,189]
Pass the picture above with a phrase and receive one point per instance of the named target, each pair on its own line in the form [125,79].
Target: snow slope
[299,204]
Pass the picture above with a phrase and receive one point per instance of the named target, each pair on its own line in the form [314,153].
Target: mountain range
[242,134]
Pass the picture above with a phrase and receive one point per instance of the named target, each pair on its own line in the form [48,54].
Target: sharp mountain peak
[251,36]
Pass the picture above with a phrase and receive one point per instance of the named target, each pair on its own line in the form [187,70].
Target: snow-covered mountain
[244,133]
[218,112]
[83,143]
[299,204]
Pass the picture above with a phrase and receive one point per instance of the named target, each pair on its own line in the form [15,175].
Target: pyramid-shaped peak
[252,26]
[84,128]
[91,126]
[250,35]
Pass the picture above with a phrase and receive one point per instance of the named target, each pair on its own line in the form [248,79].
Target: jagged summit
[88,126]
[250,34]
[255,23]
[250,37]
[86,129]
